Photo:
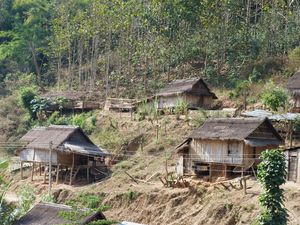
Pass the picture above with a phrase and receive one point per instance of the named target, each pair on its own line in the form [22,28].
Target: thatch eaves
[293,84]
[186,86]
[70,95]
[59,137]
[232,129]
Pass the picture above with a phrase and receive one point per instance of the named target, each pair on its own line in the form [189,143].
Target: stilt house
[194,91]
[224,146]
[69,149]
[293,86]
[50,213]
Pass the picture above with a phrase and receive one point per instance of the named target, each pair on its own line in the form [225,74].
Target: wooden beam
[40,165]
[57,173]
[72,168]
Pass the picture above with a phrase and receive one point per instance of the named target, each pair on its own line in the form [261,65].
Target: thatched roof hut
[63,138]
[234,129]
[220,144]
[75,99]
[63,146]
[71,95]
[187,86]
[50,213]
[293,86]
[195,91]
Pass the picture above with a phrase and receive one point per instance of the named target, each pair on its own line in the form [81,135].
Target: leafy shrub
[48,197]
[294,57]
[271,174]
[274,97]
[181,107]
[26,95]
[27,195]
[147,109]
[131,195]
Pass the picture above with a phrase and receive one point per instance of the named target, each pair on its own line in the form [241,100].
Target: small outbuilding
[194,91]
[293,86]
[73,100]
[293,164]
[222,147]
[50,214]
[65,149]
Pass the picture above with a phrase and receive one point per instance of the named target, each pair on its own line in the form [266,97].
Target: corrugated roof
[259,113]
[58,136]
[230,128]
[184,85]
[49,214]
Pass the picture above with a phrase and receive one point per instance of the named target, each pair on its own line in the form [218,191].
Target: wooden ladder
[71,177]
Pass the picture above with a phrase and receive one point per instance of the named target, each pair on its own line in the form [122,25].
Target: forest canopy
[109,44]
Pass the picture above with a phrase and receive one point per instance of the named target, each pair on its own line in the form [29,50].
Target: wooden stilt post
[32,168]
[50,167]
[40,168]
[72,168]
[45,170]
[88,171]
[57,173]
[88,174]
[21,170]
[210,174]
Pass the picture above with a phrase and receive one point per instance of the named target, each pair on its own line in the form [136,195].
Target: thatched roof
[71,95]
[62,138]
[193,86]
[49,214]
[232,129]
[293,84]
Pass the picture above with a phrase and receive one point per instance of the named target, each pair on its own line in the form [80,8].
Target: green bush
[181,107]
[272,173]
[26,95]
[27,196]
[274,97]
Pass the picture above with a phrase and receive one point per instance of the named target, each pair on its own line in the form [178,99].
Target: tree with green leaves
[272,174]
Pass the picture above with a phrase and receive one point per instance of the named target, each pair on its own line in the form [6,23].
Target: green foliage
[271,174]
[147,109]
[27,195]
[131,195]
[181,107]
[274,97]
[48,197]
[294,57]
[26,95]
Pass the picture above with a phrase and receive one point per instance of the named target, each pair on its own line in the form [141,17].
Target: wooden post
[72,168]
[57,174]
[88,174]
[225,171]
[32,168]
[50,167]
[88,170]
[210,174]
[40,168]
[45,170]
[244,185]
[21,170]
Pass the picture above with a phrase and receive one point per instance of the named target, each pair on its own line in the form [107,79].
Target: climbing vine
[271,174]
